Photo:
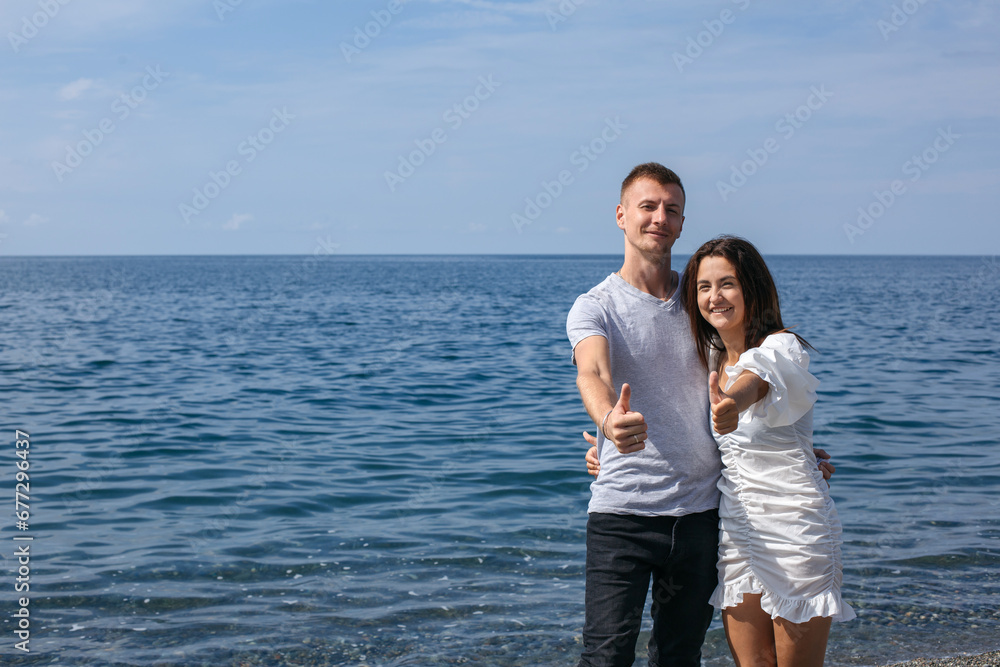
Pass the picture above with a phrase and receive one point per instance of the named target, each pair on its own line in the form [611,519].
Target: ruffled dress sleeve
[783,363]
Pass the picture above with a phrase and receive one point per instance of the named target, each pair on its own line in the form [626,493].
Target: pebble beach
[991,659]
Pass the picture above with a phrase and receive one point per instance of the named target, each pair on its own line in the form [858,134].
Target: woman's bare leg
[750,633]
[801,644]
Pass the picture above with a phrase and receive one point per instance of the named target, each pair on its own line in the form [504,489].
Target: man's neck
[652,276]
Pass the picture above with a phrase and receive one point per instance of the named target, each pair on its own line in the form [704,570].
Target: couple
[668,392]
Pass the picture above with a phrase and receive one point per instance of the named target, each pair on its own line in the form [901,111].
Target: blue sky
[473,126]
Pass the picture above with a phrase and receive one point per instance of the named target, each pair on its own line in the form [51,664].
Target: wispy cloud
[461,20]
[34,220]
[74,90]
[235,222]
[534,7]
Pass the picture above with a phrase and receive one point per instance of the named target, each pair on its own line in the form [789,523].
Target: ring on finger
[636,438]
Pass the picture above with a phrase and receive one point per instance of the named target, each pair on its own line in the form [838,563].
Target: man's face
[651,215]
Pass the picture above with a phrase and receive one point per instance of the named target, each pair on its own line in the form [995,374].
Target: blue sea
[344,460]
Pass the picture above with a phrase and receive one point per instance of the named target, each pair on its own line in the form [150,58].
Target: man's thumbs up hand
[625,428]
[623,400]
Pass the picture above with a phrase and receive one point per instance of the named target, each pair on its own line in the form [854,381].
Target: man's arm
[625,428]
[593,376]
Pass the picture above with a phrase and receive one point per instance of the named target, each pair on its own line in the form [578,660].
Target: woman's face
[720,297]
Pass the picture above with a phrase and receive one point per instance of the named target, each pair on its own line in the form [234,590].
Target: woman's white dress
[779,531]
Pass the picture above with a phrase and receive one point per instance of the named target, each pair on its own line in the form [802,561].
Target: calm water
[377,461]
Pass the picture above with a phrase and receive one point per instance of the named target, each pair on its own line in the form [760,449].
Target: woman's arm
[727,405]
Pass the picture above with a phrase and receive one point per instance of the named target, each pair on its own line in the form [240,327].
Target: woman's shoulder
[786,344]
[781,339]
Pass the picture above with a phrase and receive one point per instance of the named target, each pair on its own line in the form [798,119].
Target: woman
[779,550]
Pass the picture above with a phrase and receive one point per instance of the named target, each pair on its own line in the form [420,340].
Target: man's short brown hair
[653,171]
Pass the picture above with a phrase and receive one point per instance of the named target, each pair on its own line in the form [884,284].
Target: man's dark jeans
[623,552]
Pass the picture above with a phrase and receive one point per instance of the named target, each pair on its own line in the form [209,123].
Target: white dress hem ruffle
[829,604]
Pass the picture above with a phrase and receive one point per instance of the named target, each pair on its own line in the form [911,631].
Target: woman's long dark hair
[762,312]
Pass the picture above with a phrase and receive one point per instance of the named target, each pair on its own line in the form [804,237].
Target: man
[654,507]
